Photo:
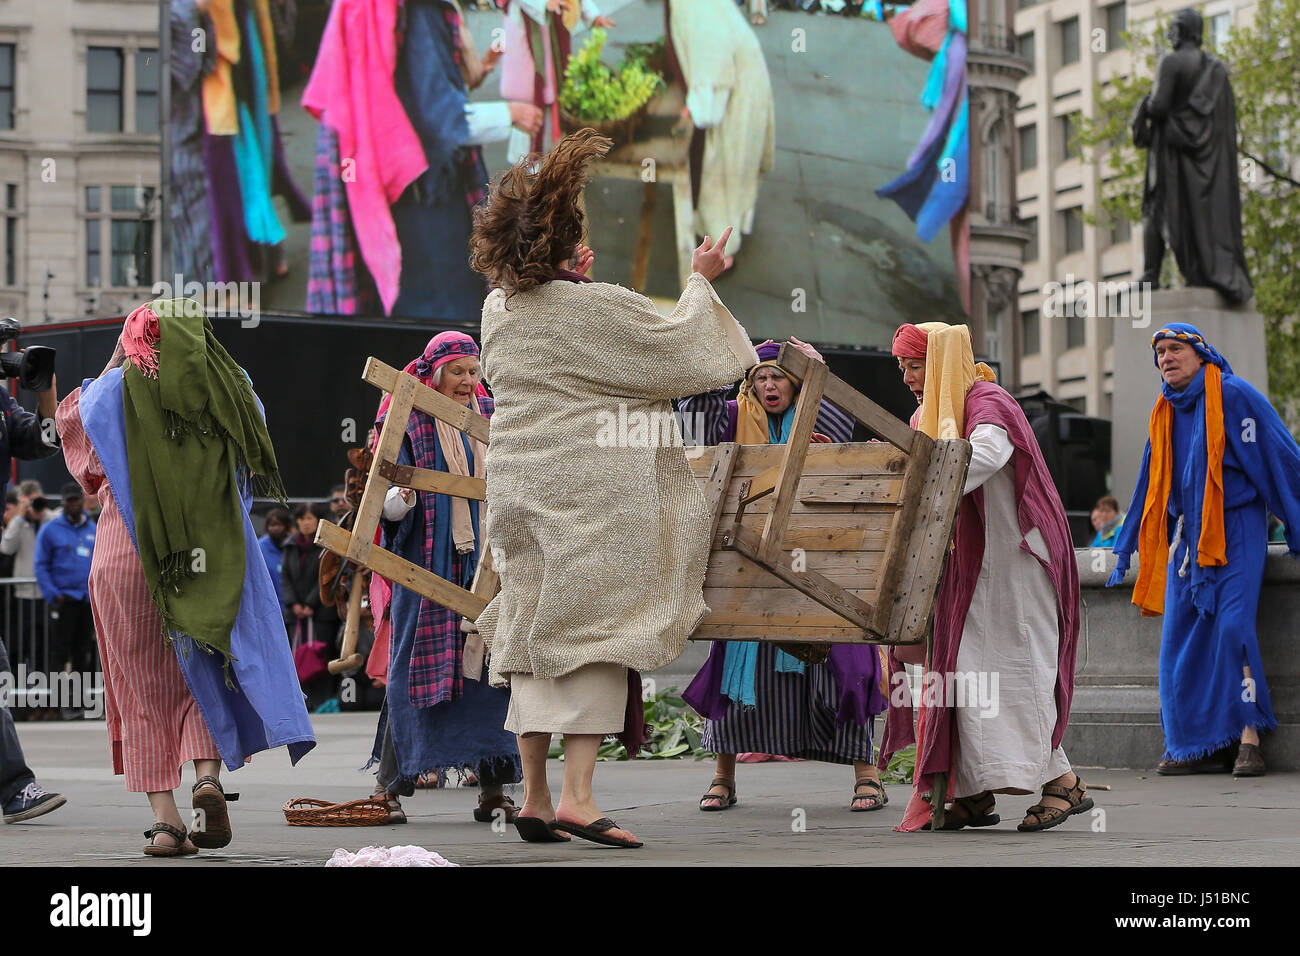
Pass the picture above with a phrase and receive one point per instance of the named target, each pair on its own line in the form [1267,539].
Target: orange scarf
[1153,537]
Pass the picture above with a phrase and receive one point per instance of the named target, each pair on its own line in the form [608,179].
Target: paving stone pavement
[1146,820]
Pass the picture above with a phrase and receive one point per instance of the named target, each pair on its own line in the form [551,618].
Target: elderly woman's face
[913,376]
[458,378]
[773,390]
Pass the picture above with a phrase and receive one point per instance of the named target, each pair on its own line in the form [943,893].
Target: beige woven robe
[601,544]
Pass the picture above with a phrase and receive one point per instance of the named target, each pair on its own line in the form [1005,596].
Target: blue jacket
[274,555]
[20,437]
[63,558]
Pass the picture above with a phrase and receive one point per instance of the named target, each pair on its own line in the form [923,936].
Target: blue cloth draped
[252,144]
[453,734]
[1209,620]
[264,709]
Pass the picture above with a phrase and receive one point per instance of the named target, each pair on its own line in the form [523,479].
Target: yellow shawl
[950,371]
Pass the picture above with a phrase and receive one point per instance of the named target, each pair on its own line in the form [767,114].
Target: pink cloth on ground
[351,89]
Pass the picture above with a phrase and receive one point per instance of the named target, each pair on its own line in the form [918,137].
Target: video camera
[33,366]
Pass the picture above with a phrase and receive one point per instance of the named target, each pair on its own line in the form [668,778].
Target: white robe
[1011,631]
[729,94]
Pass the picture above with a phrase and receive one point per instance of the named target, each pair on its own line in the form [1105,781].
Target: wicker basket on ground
[306,812]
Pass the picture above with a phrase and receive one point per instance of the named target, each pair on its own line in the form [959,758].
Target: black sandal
[979,813]
[880,796]
[724,803]
[486,810]
[212,831]
[1048,817]
[595,832]
[537,830]
[182,848]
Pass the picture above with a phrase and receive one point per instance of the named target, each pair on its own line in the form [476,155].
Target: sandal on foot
[486,809]
[182,847]
[537,830]
[978,813]
[1250,762]
[213,831]
[875,800]
[723,803]
[595,832]
[1048,817]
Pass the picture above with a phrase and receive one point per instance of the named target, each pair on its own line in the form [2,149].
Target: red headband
[910,342]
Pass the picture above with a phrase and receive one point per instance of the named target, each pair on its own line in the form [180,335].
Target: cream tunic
[1005,739]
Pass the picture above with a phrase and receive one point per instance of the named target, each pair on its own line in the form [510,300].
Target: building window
[1069,126]
[1025,48]
[147,101]
[1074,327]
[1028,147]
[1031,248]
[1121,230]
[6,86]
[1069,41]
[125,230]
[10,252]
[1116,24]
[1072,228]
[1029,332]
[103,89]
[1219,25]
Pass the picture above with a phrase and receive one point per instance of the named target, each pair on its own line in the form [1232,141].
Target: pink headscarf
[442,348]
[140,339]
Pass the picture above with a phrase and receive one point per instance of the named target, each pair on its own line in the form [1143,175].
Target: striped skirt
[794,716]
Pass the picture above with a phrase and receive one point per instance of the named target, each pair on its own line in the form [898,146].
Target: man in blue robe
[1219,460]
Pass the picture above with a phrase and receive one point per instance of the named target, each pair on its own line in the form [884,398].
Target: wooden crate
[859,532]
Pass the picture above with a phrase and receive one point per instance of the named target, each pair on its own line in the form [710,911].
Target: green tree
[1262,60]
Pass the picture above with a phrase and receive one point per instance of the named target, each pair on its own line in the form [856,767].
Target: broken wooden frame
[861,530]
[358,545]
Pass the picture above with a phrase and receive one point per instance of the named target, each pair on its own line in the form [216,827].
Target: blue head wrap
[1190,335]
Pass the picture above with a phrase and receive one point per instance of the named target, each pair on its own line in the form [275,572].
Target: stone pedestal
[1236,331]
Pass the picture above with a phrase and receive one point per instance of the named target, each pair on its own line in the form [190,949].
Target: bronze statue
[1191,200]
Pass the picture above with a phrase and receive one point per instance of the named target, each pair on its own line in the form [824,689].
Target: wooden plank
[811,583]
[387,449]
[644,234]
[430,479]
[487,582]
[783,634]
[930,535]
[909,497]
[829,533]
[794,451]
[856,489]
[836,458]
[426,399]
[759,486]
[400,571]
[851,401]
[719,480]
[830,563]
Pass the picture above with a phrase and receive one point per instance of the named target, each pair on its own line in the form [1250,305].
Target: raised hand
[709,258]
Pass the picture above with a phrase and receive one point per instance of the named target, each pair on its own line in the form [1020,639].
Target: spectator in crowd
[63,550]
[7,560]
[22,436]
[1106,521]
[27,611]
[338,504]
[278,526]
[304,615]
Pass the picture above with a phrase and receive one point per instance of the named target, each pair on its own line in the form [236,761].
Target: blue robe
[1209,620]
[264,708]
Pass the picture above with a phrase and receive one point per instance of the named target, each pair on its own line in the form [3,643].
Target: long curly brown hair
[530,223]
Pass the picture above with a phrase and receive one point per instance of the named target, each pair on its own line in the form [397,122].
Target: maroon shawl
[1039,506]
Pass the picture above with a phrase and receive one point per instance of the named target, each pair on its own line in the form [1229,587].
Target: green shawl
[191,434]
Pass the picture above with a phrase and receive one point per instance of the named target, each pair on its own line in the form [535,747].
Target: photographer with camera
[27,437]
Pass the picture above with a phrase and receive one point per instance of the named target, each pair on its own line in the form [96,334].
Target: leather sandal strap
[206,780]
[176,832]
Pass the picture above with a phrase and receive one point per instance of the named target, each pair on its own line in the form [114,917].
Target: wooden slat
[851,401]
[387,449]
[929,538]
[857,489]
[909,496]
[782,634]
[403,572]
[811,583]
[754,576]
[428,400]
[759,486]
[439,482]
[794,451]
[838,532]
[715,493]
[845,458]
[487,582]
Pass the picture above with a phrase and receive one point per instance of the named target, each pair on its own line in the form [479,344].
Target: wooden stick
[348,657]
[390,445]
[841,394]
[792,459]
